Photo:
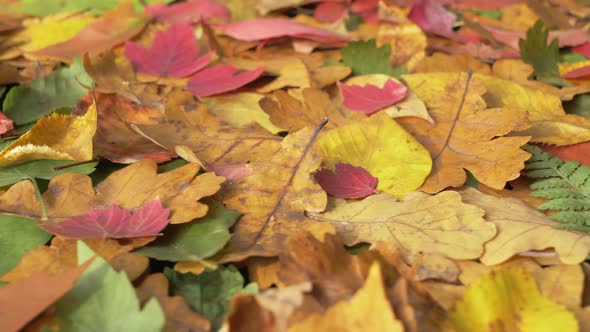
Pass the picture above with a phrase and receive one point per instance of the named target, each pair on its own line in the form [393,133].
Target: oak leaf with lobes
[114,222]
[347,182]
[463,134]
[70,195]
[274,198]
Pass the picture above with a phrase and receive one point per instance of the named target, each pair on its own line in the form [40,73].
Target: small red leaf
[5,123]
[583,49]
[432,17]
[370,98]
[231,172]
[174,53]
[191,11]
[329,11]
[576,73]
[347,182]
[220,79]
[113,222]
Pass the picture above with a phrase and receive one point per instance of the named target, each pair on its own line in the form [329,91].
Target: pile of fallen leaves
[296,165]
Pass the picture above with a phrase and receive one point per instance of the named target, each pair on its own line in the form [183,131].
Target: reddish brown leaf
[347,182]
[220,79]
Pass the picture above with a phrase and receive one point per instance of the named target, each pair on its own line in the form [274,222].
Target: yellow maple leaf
[439,224]
[55,136]
[382,147]
[368,310]
[508,300]
[465,133]
[55,29]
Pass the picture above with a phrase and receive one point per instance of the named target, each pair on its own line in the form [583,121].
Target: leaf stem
[40,198]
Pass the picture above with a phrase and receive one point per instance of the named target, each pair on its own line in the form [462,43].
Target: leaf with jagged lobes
[70,195]
[382,147]
[55,136]
[274,198]
[466,135]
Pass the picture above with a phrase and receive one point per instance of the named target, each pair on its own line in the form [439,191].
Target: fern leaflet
[565,184]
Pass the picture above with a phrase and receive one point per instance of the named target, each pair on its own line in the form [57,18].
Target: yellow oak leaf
[508,300]
[465,133]
[441,224]
[241,109]
[383,148]
[274,198]
[71,194]
[410,106]
[522,228]
[367,310]
[287,112]
[55,136]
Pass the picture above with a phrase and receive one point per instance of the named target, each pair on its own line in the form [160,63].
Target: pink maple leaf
[347,182]
[174,53]
[191,11]
[113,222]
[370,98]
[220,79]
[5,123]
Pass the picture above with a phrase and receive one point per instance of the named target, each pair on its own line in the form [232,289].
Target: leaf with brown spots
[274,198]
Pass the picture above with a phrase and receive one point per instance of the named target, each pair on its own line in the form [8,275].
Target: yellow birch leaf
[240,109]
[383,148]
[368,310]
[410,106]
[55,136]
[523,228]
[441,224]
[467,133]
[508,300]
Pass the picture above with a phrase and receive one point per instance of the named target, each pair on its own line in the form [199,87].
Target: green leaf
[565,184]
[40,169]
[209,292]
[471,180]
[580,105]
[63,88]
[569,56]
[196,240]
[535,51]
[493,14]
[104,300]
[364,57]
[18,236]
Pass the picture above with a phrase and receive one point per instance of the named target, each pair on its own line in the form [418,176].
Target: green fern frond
[565,184]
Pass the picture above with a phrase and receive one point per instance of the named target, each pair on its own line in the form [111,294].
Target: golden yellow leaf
[240,109]
[408,42]
[383,148]
[72,194]
[439,224]
[522,228]
[435,267]
[368,310]
[55,29]
[512,69]
[293,115]
[442,62]
[274,198]
[54,136]
[508,300]
[465,135]
[212,140]
[410,106]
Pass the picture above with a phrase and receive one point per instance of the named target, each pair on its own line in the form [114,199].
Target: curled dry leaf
[382,147]
[522,228]
[464,135]
[441,224]
[273,199]
[55,136]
